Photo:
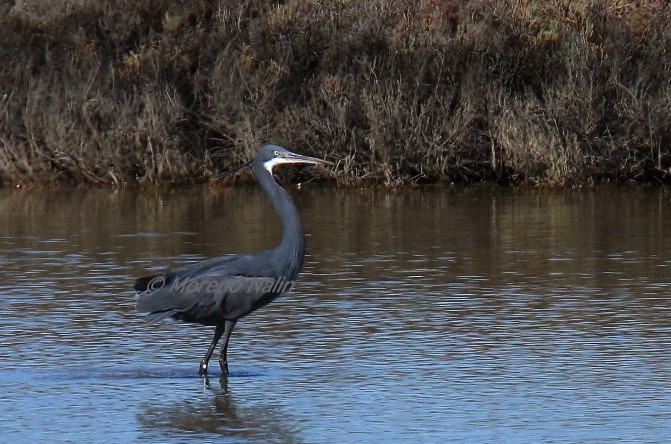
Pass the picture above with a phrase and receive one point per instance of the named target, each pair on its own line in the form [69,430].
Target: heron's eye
[276,153]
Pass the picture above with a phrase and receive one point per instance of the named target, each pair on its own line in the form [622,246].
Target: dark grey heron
[221,290]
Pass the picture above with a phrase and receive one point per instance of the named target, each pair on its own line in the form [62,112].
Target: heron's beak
[299,158]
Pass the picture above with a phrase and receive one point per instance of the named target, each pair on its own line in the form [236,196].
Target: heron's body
[221,290]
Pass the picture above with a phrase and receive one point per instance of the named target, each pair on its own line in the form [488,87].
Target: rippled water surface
[426,315]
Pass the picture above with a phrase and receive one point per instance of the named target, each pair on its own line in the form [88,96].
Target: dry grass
[425,91]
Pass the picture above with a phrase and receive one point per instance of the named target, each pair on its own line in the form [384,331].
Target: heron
[219,291]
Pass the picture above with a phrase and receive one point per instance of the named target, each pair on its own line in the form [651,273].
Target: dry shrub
[117,92]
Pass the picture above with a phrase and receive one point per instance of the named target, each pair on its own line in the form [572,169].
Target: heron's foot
[203,368]
[224,366]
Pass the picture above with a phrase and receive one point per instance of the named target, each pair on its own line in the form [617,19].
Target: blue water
[423,316]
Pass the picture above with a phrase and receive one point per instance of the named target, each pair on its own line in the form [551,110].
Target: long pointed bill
[299,158]
[289,157]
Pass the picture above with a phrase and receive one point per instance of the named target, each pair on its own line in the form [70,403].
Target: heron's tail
[156,305]
[141,284]
[152,301]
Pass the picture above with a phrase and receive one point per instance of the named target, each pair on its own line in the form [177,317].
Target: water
[424,316]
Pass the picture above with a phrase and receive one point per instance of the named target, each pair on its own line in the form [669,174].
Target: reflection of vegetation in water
[118,92]
[216,412]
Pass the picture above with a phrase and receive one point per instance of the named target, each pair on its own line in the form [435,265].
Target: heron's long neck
[291,251]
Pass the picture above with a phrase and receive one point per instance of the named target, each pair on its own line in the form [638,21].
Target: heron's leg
[223,362]
[218,331]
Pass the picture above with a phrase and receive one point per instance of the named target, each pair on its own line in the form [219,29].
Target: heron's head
[271,156]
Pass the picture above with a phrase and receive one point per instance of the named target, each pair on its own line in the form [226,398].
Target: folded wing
[207,299]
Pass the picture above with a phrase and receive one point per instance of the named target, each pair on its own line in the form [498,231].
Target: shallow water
[432,315]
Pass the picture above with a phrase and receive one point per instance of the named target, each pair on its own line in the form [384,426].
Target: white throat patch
[272,163]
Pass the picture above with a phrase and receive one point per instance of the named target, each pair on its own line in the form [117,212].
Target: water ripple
[504,332]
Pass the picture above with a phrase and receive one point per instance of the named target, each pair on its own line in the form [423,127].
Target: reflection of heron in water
[215,411]
[230,287]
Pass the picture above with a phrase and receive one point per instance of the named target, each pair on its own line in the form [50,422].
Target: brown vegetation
[120,91]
